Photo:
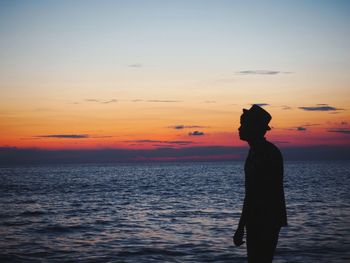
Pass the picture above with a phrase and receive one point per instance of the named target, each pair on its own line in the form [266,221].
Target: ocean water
[164,212]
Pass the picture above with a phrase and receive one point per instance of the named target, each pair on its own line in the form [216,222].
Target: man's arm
[243,218]
[238,236]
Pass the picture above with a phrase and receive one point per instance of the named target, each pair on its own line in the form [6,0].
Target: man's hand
[238,236]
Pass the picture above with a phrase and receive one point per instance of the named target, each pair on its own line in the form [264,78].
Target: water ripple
[164,213]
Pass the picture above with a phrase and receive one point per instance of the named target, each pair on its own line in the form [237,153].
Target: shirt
[264,202]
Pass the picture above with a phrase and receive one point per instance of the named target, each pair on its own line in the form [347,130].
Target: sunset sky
[153,74]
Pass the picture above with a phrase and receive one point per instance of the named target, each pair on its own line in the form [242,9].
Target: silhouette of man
[264,209]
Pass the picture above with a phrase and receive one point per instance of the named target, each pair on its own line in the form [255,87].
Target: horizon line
[15,155]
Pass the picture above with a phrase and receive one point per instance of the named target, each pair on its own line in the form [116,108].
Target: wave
[151,251]
[33,213]
[58,228]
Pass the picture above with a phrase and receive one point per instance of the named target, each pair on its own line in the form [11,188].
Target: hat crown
[258,115]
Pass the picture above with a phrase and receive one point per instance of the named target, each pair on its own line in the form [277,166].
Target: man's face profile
[244,129]
[249,130]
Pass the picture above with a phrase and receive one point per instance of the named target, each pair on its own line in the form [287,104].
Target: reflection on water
[164,213]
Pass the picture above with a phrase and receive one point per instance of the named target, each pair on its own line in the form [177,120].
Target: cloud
[179,142]
[143,141]
[64,136]
[340,130]
[102,101]
[285,107]
[101,136]
[209,101]
[261,104]
[311,124]
[343,123]
[261,72]
[320,107]
[109,101]
[163,145]
[302,127]
[163,101]
[106,101]
[180,127]
[136,65]
[162,142]
[196,133]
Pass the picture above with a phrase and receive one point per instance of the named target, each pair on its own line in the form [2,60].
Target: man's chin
[242,138]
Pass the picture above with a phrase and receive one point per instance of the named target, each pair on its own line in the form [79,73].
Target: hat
[258,115]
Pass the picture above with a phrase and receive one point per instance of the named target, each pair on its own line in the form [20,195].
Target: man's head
[254,123]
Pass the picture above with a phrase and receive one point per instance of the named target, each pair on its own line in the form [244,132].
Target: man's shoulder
[272,149]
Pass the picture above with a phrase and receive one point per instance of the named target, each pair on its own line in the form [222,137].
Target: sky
[147,75]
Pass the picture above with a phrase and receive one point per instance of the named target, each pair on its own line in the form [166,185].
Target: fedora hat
[257,115]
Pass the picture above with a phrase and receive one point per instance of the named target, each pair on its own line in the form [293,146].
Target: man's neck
[256,142]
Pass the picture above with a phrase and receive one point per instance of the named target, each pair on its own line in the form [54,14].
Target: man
[264,209]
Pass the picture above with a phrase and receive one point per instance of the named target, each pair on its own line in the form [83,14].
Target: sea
[164,212]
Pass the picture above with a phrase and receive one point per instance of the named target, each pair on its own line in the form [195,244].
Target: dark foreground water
[169,212]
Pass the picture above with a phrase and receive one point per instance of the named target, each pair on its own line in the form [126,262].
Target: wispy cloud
[64,136]
[261,72]
[178,142]
[71,136]
[136,65]
[155,101]
[340,130]
[180,127]
[209,101]
[302,127]
[109,101]
[196,133]
[161,142]
[261,104]
[321,107]
[310,124]
[285,107]
[165,101]
[102,101]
